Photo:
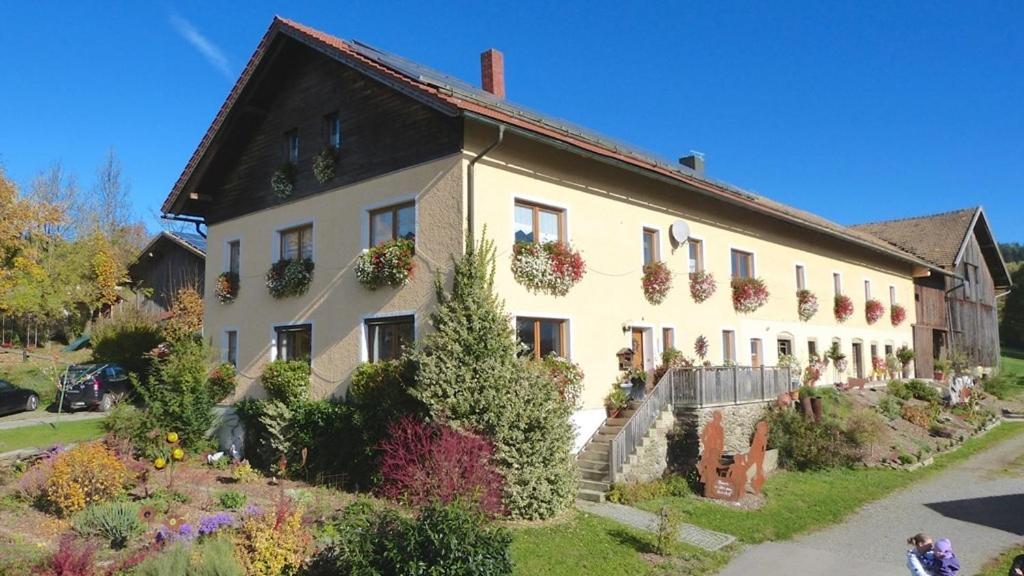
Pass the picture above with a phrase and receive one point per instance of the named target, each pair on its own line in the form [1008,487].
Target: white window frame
[644,228]
[275,240]
[224,343]
[703,259]
[892,295]
[800,271]
[868,291]
[364,350]
[226,264]
[735,338]
[661,338]
[272,353]
[364,218]
[836,275]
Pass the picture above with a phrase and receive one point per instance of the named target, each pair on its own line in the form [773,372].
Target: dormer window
[291,139]
[333,124]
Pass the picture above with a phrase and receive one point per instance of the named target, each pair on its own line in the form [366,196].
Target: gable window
[297,243]
[291,141]
[392,223]
[231,353]
[837,283]
[386,337]
[668,338]
[536,223]
[650,239]
[234,256]
[801,278]
[295,342]
[742,264]
[696,255]
[728,346]
[867,290]
[332,125]
[542,336]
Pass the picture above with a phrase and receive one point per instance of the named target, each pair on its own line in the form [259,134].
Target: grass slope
[1000,566]
[1009,384]
[46,435]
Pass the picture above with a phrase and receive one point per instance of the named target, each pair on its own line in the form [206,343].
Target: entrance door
[638,348]
[756,353]
[858,359]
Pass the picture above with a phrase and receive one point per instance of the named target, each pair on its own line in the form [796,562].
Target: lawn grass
[587,544]
[1009,384]
[37,374]
[46,435]
[798,502]
[1000,565]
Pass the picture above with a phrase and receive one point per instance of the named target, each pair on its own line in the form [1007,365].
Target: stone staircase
[592,461]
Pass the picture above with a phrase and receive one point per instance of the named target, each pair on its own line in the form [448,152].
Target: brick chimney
[492,72]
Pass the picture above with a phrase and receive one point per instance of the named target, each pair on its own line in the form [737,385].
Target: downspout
[470,189]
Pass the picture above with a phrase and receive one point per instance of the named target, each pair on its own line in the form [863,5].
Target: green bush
[469,374]
[214,557]
[899,390]
[440,540]
[115,522]
[222,381]
[920,390]
[807,445]
[286,381]
[126,338]
[176,393]
[666,532]
[631,493]
[232,499]
[127,423]
[889,406]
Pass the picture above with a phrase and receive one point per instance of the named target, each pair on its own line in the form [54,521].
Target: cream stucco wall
[336,303]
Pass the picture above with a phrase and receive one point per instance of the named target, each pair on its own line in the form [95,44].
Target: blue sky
[857,112]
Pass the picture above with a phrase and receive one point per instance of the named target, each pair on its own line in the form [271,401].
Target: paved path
[980,509]
[688,533]
[44,417]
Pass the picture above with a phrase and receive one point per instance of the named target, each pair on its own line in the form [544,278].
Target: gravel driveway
[978,504]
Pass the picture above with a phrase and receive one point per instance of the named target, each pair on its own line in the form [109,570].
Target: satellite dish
[680,231]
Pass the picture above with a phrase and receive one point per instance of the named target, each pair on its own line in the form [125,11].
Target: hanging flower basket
[657,281]
[843,308]
[702,286]
[897,314]
[748,294]
[807,304]
[283,180]
[323,164]
[289,278]
[873,310]
[551,267]
[387,264]
[227,287]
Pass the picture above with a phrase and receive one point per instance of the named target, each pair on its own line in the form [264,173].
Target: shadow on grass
[999,512]
[1013,353]
[627,538]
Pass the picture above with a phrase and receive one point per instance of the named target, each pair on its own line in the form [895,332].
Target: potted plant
[549,267]
[897,314]
[835,354]
[323,164]
[843,307]
[615,402]
[702,285]
[942,366]
[748,294]
[283,180]
[807,394]
[289,278]
[807,304]
[387,264]
[656,282]
[873,310]
[227,287]
[905,355]
[893,365]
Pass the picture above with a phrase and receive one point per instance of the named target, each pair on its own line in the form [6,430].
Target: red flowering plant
[873,310]
[843,307]
[550,267]
[807,304]
[387,264]
[702,285]
[748,294]
[657,281]
[897,314]
[227,287]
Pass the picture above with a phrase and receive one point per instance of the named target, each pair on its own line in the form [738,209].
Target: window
[742,264]
[874,351]
[385,337]
[291,139]
[812,350]
[970,281]
[867,290]
[696,255]
[755,352]
[297,243]
[295,342]
[728,346]
[332,126]
[234,256]
[785,347]
[542,336]
[888,350]
[837,283]
[535,223]
[393,222]
[651,254]
[668,338]
[801,278]
[231,353]
[892,295]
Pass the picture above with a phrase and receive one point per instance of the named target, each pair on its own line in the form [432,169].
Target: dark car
[14,399]
[93,386]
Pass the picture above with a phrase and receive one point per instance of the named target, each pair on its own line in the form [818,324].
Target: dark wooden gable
[295,88]
[164,268]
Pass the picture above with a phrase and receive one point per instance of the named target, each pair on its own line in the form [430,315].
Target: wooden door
[638,348]
[858,359]
[756,353]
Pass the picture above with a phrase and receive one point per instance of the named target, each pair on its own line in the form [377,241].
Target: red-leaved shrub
[423,463]
[71,559]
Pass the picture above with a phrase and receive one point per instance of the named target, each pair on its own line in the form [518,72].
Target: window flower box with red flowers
[657,281]
[874,310]
[702,285]
[843,307]
[289,278]
[227,287]
[807,304]
[748,294]
[897,314]
[552,267]
[387,264]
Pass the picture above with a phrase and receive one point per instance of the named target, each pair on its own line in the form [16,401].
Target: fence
[723,385]
[629,437]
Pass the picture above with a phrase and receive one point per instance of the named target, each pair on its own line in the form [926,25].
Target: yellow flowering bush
[84,475]
[272,544]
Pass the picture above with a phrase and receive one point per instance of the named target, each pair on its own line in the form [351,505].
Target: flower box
[289,278]
[551,267]
[323,164]
[897,314]
[873,311]
[227,287]
[748,294]
[807,304]
[657,281]
[387,264]
[283,180]
[702,285]
[843,307]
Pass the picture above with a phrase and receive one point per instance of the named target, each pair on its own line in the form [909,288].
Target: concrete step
[594,475]
[589,456]
[593,466]
[595,485]
[618,422]
[591,496]
[602,448]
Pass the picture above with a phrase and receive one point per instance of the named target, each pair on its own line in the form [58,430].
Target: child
[1017,567]
[920,558]
[946,563]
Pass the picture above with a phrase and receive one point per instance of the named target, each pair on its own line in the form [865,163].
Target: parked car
[93,386]
[14,399]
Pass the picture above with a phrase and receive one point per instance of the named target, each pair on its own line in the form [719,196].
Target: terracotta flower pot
[816,408]
[805,403]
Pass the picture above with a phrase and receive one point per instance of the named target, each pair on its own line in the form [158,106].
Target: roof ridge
[921,217]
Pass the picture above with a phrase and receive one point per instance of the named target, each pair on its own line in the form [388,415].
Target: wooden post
[762,382]
[735,384]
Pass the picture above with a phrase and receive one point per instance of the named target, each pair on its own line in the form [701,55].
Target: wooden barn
[169,262]
[957,312]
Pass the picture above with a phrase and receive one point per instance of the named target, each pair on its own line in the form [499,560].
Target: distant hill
[1012,252]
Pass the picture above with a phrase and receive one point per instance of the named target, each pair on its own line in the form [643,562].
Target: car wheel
[106,403]
[32,403]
